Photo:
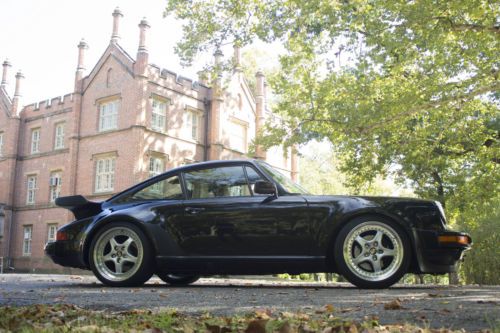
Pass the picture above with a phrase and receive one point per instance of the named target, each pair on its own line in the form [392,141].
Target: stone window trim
[55,184]
[238,122]
[162,128]
[104,100]
[162,98]
[31,188]
[27,239]
[107,188]
[157,153]
[35,135]
[195,134]
[59,136]
[52,231]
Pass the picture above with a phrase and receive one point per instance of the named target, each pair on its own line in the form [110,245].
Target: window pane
[217,182]
[166,189]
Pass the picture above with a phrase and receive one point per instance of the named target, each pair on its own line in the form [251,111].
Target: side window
[217,182]
[253,177]
[165,189]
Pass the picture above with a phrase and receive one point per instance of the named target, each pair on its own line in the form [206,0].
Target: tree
[408,88]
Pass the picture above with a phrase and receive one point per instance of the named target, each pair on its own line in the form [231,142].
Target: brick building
[125,121]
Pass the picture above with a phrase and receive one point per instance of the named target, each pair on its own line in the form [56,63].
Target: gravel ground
[472,308]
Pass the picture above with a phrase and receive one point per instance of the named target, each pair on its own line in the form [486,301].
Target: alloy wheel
[373,251]
[118,254]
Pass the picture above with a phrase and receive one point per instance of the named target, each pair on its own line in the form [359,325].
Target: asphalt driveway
[466,307]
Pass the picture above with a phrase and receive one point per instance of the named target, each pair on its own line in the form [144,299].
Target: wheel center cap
[373,250]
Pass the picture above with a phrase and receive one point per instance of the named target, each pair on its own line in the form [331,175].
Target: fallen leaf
[393,305]
[256,326]
[285,328]
[329,308]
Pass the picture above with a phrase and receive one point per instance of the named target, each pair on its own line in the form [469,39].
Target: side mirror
[263,187]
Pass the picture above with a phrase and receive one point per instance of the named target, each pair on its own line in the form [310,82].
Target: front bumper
[63,253]
[439,251]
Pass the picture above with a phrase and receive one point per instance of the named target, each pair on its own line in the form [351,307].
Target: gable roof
[115,51]
[5,101]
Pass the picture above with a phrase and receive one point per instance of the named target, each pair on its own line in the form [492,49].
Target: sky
[40,38]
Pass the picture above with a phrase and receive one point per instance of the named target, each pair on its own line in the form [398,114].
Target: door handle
[193,210]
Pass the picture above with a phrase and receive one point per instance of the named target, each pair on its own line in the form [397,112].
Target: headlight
[441,210]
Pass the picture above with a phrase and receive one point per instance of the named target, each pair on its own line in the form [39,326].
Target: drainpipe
[206,104]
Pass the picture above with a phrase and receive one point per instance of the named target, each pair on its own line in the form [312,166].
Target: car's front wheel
[372,252]
[177,280]
[120,255]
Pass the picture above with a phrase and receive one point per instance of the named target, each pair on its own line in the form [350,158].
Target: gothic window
[31,193]
[27,235]
[55,184]
[51,232]
[59,136]
[108,115]
[159,115]
[105,174]
[238,136]
[35,140]
[193,120]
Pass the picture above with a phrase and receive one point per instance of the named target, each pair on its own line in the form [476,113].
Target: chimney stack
[141,64]
[143,26]
[6,65]
[116,25]
[80,68]
[16,101]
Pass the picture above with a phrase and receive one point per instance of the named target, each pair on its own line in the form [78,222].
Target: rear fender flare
[94,228]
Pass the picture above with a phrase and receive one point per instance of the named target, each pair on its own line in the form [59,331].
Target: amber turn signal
[454,239]
[61,236]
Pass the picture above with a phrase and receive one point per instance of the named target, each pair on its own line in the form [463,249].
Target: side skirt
[249,265]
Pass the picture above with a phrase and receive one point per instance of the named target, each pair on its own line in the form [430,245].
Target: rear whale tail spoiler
[79,206]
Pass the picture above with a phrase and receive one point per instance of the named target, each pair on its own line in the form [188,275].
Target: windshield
[288,185]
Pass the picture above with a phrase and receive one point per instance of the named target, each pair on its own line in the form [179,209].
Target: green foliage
[405,89]
[482,265]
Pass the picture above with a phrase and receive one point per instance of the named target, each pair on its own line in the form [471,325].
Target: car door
[223,218]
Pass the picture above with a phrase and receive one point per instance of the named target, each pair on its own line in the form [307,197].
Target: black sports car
[244,217]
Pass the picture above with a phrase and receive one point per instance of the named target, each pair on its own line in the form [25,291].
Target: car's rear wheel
[372,252]
[120,255]
[177,280]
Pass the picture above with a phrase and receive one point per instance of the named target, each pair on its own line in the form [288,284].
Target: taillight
[61,236]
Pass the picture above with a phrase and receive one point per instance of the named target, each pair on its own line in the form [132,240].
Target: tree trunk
[419,279]
[453,278]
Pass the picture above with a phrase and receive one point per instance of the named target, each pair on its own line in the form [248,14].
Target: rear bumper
[439,251]
[63,253]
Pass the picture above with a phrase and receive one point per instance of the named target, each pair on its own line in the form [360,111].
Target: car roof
[200,165]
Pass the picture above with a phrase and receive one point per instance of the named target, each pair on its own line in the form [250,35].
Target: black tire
[356,257]
[178,280]
[116,267]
